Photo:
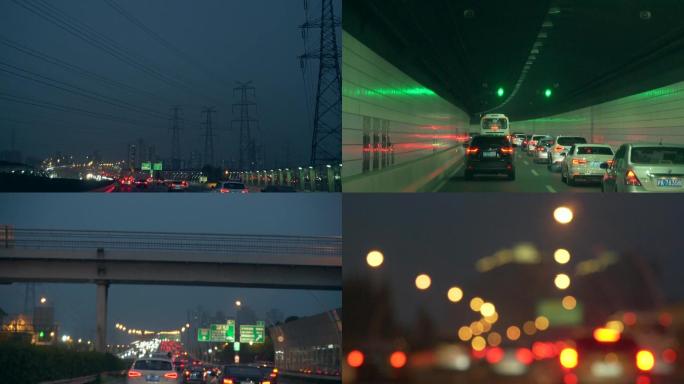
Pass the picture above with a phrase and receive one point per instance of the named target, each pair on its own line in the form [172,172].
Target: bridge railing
[262,245]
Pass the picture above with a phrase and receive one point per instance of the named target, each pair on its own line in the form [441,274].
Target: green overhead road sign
[146,166]
[222,332]
[202,334]
[157,166]
[559,316]
[252,333]
[236,346]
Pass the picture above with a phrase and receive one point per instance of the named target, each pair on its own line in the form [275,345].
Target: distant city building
[274,316]
[132,156]
[10,155]
[195,160]
[245,315]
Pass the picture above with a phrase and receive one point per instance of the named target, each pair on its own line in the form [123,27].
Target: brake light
[275,370]
[355,358]
[579,161]
[645,360]
[472,150]
[225,190]
[227,381]
[244,191]
[632,179]
[606,335]
[506,149]
[171,375]
[265,382]
[134,374]
[568,358]
[558,148]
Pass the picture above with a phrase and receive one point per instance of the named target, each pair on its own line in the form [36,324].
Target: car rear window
[234,185]
[569,141]
[594,151]
[490,141]
[657,155]
[153,365]
[243,371]
[546,142]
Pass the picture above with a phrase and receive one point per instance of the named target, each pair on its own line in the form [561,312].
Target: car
[517,139]
[541,151]
[489,155]
[562,146]
[494,124]
[176,185]
[127,180]
[645,168]
[156,370]
[526,140]
[233,187]
[142,182]
[583,163]
[193,375]
[269,371]
[278,188]
[239,373]
[532,143]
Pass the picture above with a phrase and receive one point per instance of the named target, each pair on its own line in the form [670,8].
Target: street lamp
[563,215]
[43,300]
[238,303]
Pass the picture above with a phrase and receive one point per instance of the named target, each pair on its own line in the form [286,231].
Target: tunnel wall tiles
[651,116]
[387,117]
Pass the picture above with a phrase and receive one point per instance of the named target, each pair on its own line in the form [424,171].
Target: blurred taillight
[506,149]
[472,150]
[265,382]
[669,355]
[244,191]
[227,381]
[579,161]
[171,375]
[134,374]
[645,360]
[606,335]
[355,358]
[568,358]
[632,179]
[558,148]
[225,190]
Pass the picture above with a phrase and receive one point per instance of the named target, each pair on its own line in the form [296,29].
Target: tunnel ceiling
[592,51]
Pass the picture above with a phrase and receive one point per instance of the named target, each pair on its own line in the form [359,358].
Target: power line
[247,156]
[176,121]
[208,137]
[98,40]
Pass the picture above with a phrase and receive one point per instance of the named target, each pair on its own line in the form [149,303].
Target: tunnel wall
[396,134]
[649,116]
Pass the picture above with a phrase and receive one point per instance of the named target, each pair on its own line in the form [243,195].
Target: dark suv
[490,155]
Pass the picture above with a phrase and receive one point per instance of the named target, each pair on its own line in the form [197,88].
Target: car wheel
[511,176]
[468,175]
[571,180]
[563,179]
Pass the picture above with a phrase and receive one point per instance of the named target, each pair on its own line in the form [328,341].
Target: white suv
[562,146]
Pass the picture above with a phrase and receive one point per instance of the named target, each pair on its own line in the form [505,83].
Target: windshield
[657,155]
[243,371]
[153,365]
[594,151]
[569,141]
[233,185]
[494,124]
[490,141]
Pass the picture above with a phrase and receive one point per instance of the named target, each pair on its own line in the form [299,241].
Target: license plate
[489,154]
[595,164]
[669,182]
[154,378]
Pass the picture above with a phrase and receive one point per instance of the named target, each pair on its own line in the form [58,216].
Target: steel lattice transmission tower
[176,121]
[248,148]
[29,298]
[326,143]
[208,137]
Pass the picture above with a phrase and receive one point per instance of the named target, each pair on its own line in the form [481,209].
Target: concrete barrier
[420,175]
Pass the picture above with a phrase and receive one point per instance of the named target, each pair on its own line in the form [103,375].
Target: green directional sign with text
[252,333]
[146,166]
[222,332]
[202,334]
[157,166]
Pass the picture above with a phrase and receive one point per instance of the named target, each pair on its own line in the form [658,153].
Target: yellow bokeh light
[375,258]
[494,339]
[541,323]
[423,281]
[487,309]
[562,281]
[476,327]
[562,256]
[455,294]
[569,302]
[563,215]
[513,333]
[529,328]
[616,325]
[478,343]
[492,319]
[464,333]
[486,327]
[476,303]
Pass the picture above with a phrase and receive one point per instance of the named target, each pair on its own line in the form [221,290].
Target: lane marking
[534,172]
[526,162]
[550,188]
[446,179]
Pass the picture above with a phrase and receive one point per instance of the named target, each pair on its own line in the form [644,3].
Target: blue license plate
[153,378]
[669,182]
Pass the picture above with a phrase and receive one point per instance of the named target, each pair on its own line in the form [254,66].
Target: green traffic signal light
[500,92]
[41,334]
[547,92]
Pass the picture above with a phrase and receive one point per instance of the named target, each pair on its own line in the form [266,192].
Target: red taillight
[227,381]
[632,179]
[225,190]
[472,150]
[134,374]
[244,191]
[645,360]
[568,358]
[506,149]
[524,356]
[579,161]
[558,148]
[171,375]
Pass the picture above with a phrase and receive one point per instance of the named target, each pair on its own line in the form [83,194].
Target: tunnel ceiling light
[542,35]
[554,11]
[547,24]
[500,92]
[538,44]
[548,92]
[535,51]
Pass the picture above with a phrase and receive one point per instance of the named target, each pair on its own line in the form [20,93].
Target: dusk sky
[204,51]
[444,235]
[164,307]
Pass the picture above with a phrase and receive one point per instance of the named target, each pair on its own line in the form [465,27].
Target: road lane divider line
[446,179]
[526,162]
[534,172]
[550,188]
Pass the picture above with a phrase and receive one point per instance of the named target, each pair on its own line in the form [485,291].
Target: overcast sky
[206,48]
[445,234]
[164,307]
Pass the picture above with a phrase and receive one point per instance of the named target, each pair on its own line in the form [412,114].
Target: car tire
[571,181]
[563,179]
[468,175]
[511,176]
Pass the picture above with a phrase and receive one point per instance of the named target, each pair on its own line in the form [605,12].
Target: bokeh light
[568,358]
[455,294]
[563,215]
[494,339]
[476,303]
[375,258]
[562,281]
[423,281]
[541,323]
[478,343]
[487,309]
[465,333]
[561,255]
[569,302]
[529,328]
[355,358]
[513,333]
[397,359]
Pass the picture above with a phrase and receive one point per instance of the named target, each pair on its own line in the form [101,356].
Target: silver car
[155,370]
[542,150]
[532,143]
[583,163]
[563,145]
[517,139]
[645,168]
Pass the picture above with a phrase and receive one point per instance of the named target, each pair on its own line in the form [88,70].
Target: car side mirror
[604,165]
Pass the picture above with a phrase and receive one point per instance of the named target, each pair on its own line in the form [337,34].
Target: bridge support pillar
[101,305]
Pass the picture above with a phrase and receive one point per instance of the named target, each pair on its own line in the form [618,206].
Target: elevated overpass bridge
[118,257]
